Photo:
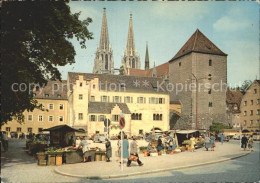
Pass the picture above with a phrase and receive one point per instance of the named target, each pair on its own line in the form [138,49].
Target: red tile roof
[162,70]
[234,97]
[199,43]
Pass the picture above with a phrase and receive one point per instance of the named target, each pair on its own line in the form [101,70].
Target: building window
[258,111]
[128,99]
[50,118]
[115,117]
[152,100]
[235,107]
[245,103]
[40,118]
[60,118]
[59,95]
[34,94]
[55,86]
[255,90]
[104,99]
[258,101]
[37,88]
[39,130]
[251,102]
[80,116]
[245,122]
[8,129]
[61,106]
[210,62]
[251,122]
[136,116]
[92,98]
[29,117]
[251,112]
[141,100]
[209,77]
[93,86]
[161,101]
[46,95]
[179,64]
[51,106]
[80,84]
[92,117]
[157,117]
[80,96]
[101,118]
[29,130]
[19,129]
[210,104]
[116,99]
[245,113]
[209,91]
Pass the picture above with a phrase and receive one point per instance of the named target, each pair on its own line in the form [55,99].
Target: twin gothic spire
[104,62]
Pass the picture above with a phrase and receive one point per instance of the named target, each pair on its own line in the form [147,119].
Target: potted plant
[41,156]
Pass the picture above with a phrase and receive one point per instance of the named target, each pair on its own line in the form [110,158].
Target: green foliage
[34,41]
[245,85]
[216,127]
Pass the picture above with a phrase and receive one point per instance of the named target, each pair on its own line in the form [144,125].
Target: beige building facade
[53,112]
[250,108]
[94,97]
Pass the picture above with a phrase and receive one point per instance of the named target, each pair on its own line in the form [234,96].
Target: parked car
[236,137]
[99,138]
[256,136]
[113,137]
[14,134]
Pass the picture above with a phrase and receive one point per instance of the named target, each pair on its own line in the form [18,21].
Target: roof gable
[199,43]
[106,107]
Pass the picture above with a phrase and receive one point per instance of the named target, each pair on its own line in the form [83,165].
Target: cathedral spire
[104,40]
[147,58]
[130,45]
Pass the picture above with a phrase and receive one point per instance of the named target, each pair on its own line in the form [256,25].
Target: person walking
[5,141]
[222,136]
[108,150]
[250,143]
[85,148]
[212,142]
[244,141]
[192,143]
[207,142]
[133,153]
[125,148]
[159,145]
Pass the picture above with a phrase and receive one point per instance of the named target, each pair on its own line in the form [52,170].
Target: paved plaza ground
[18,166]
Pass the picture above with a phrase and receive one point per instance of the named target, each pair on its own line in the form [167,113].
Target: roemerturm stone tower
[131,58]
[199,73]
[104,61]
[146,67]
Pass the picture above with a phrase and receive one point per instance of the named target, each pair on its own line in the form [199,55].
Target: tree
[122,70]
[34,41]
[216,127]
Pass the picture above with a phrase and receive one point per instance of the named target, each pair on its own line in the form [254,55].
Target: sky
[166,26]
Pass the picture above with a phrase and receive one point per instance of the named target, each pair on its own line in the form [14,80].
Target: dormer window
[46,95]
[34,94]
[59,95]
[235,107]
[37,88]
[55,86]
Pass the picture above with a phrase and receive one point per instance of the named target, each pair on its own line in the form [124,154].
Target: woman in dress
[207,142]
[250,143]
[108,150]
[125,148]
[192,143]
[159,145]
[212,142]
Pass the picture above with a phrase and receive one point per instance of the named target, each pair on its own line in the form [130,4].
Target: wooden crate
[51,160]
[58,159]
[42,162]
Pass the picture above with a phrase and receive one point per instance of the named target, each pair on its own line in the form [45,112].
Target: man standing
[5,141]
[133,152]
[244,142]
[108,150]
[85,148]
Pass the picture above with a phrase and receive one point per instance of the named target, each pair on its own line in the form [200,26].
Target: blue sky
[232,26]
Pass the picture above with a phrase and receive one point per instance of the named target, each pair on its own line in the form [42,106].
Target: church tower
[104,61]
[131,58]
[146,67]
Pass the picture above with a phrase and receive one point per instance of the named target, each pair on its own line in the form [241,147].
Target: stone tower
[146,67]
[131,58]
[104,61]
[199,72]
